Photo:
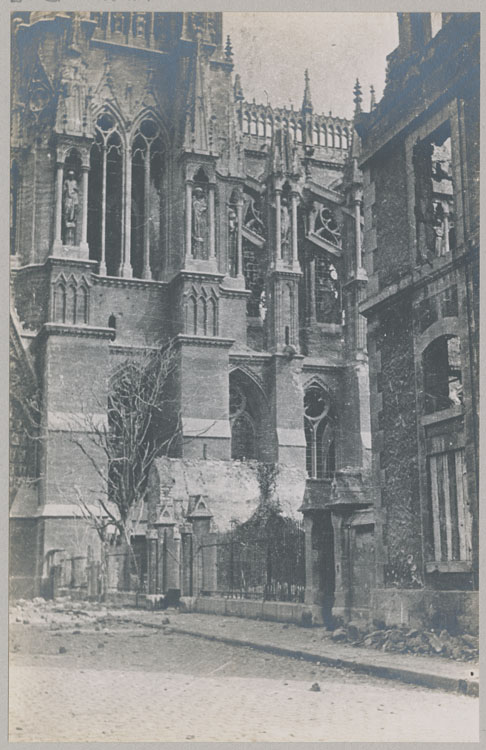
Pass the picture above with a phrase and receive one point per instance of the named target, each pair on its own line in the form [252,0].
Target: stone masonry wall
[394,445]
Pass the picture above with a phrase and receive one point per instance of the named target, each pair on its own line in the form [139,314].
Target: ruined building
[420,162]
[150,202]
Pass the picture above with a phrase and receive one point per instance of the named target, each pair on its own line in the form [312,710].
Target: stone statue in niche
[139,24]
[70,207]
[233,241]
[118,21]
[327,293]
[199,223]
[285,226]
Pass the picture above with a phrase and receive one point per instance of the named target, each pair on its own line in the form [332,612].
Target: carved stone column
[357,228]
[295,247]
[188,243]
[211,218]
[146,272]
[312,289]
[58,211]
[125,266]
[278,226]
[102,268]
[84,219]
[239,245]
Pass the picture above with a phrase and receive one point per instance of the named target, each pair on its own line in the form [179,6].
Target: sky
[272,50]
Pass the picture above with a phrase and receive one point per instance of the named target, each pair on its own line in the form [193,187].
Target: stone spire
[307,102]
[372,98]
[358,97]
[228,49]
[196,131]
[239,96]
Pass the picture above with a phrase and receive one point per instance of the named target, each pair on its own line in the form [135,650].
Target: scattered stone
[285,627]
[76,632]
[470,640]
[435,642]
[26,622]
[62,650]
[315,688]
[339,635]
[165,621]
[101,645]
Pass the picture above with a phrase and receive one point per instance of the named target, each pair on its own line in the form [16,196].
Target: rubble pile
[405,640]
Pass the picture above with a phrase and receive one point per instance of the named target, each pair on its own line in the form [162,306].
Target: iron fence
[263,558]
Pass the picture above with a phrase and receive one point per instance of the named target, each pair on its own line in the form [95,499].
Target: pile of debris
[405,640]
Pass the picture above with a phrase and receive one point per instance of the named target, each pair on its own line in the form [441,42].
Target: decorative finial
[307,103]
[228,50]
[358,97]
[238,90]
[372,98]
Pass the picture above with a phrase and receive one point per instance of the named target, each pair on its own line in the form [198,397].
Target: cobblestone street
[74,679]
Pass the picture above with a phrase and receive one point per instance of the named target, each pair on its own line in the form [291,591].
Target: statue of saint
[233,241]
[70,207]
[284,227]
[199,222]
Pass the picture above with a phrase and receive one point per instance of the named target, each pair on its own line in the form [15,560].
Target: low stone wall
[300,614]
[454,611]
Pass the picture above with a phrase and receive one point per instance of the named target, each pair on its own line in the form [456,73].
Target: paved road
[129,683]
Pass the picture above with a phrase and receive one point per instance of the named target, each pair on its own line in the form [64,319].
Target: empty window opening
[434,194]
[442,374]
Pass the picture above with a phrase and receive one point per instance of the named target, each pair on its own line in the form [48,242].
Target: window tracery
[147,168]
[243,432]
[319,427]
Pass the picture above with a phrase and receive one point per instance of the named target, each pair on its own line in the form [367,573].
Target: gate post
[169,554]
[309,561]
[152,549]
[200,516]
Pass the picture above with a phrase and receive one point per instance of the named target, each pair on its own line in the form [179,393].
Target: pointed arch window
[345,142]
[71,303]
[261,126]
[60,302]
[105,195]
[316,135]
[323,135]
[338,142]
[319,427]
[253,125]
[243,431]
[246,123]
[299,132]
[331,142]
[269,128]
[146,199]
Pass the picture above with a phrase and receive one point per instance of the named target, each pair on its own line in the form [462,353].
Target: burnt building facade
[420,163]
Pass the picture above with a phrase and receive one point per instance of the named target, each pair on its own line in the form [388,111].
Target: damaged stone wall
[233,488]
[396,445]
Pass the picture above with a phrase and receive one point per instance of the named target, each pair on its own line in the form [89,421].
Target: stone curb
[410,676]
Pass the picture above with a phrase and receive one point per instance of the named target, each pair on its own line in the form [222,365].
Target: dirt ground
[90,677]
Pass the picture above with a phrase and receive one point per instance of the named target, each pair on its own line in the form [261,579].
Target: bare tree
[141,424]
